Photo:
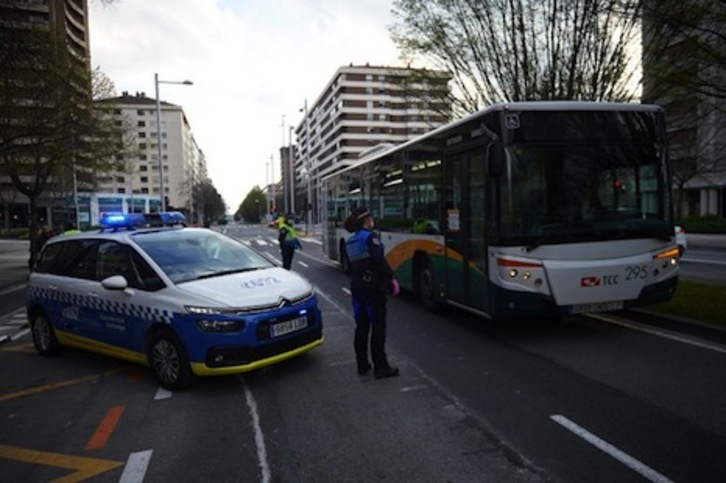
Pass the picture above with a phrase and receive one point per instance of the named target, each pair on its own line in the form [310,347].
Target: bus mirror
[495,159]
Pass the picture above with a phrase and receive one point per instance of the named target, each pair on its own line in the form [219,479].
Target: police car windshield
[190,254]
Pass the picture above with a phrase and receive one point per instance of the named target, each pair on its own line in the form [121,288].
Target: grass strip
[698,301]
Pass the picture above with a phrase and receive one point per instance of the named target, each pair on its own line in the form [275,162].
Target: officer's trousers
[370,320]
[287,253]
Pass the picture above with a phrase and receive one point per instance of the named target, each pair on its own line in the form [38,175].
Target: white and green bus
[533,209]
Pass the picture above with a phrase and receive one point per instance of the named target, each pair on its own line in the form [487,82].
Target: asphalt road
[607,398]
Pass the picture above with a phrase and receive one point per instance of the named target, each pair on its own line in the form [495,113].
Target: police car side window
[113,260]
[75,259]
[48,258]
[117,259]
[149,280]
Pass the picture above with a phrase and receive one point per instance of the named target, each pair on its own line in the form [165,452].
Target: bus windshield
[571,179]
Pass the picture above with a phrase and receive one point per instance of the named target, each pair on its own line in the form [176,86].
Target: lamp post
[291,170]
[162,198]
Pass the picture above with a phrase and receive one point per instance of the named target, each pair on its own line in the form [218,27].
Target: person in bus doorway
[371,280]
[289,242]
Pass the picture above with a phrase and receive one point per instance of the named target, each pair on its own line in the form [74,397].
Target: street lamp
[162,198]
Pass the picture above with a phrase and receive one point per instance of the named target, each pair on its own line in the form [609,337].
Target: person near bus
[289,242]
[371,280]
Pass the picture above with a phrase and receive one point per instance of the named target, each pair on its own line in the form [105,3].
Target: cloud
[252,62]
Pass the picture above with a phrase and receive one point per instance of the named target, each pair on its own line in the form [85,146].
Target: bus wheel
[425,284]
[344,262]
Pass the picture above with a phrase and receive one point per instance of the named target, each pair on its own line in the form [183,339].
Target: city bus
[521,210]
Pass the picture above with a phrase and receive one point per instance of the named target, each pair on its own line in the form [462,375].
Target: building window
[144,179]
[142,145]
[120,179]
[121,190]
[142,157]
[140,112]
[142,134]
[145,191]
[143,168]
[369,77]
[141,124]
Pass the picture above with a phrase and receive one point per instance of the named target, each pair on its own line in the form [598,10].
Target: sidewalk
[13,263]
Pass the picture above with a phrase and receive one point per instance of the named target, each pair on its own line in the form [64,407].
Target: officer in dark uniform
[371,279]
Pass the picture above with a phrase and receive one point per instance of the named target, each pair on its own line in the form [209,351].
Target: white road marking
[162,393]
[259,437]
[635,465]
[703,260]
[303,264]
[703,344]
[260,241]
[346,292]
[136,467]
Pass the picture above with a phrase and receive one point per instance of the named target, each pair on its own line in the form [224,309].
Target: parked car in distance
[681,239]
[185,301]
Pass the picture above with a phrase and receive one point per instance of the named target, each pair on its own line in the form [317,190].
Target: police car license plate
[282,328]
[597,307]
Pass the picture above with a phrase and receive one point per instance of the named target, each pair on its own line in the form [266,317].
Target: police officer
[371,279]
[288,239]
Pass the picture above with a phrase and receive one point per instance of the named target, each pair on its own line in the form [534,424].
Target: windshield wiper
[538,242]
[227,272]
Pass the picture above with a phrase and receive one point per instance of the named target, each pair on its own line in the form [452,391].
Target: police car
[185,301]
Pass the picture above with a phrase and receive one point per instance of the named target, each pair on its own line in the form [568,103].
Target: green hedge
[704,224]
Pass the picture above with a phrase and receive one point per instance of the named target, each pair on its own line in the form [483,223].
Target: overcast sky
[252,62]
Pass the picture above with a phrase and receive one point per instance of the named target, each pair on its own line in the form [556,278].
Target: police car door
[120,311]
[66,285]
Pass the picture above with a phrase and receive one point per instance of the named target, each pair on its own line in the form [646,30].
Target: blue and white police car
[185,301]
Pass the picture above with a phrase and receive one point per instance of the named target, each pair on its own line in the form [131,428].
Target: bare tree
[684,64]
[516,50]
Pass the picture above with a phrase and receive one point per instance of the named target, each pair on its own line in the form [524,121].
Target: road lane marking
[702,260]
[303,264]
[47,387]
[85,468]
[162,393]
[703,344]
[136,466]
[632,463]
[104,431]
[259,437]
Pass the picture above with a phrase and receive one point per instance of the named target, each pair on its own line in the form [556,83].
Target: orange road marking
[104,430]
[85,468]
[56,385]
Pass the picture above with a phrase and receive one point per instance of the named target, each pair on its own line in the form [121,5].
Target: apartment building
[361,107]
[39,26]
[183,162]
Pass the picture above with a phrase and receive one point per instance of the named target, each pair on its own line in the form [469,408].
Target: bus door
[464,213]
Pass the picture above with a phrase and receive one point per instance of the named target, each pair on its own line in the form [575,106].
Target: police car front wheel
[44,337]
[169,361]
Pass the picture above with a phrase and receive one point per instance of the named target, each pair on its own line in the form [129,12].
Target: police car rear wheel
[169,361]
[44,337]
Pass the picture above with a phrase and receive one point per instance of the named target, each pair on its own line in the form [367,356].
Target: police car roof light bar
[117,221]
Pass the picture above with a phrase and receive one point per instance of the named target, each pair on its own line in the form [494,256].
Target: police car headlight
[220,325]
[203,310]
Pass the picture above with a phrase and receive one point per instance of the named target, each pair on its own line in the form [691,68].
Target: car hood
[259,288]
